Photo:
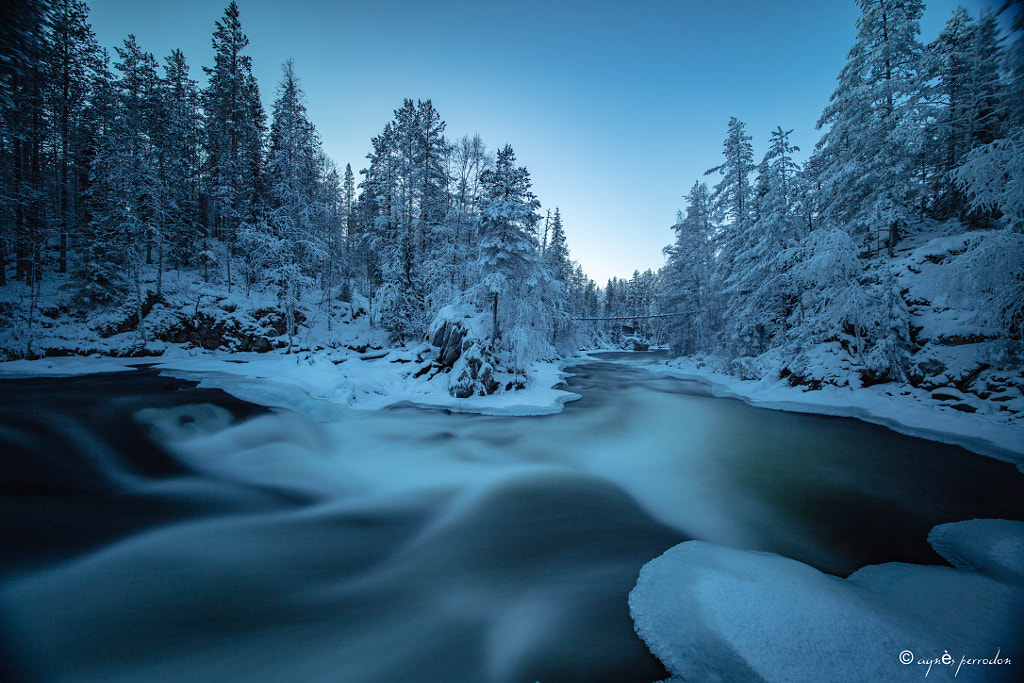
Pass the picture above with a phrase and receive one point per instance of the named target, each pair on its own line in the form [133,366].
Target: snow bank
[316,384]
[908,411]
[716,613]
[65,367]
[991,545]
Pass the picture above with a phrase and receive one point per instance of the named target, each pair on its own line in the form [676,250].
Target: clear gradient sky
[616,108]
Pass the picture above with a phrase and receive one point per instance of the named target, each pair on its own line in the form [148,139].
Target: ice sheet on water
[64,366]
[716,613]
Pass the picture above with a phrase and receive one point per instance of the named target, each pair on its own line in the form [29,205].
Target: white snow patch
[68,366]
[991,545]
[315,385]
[716,613]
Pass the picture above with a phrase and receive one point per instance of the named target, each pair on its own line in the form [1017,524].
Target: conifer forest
[425,413]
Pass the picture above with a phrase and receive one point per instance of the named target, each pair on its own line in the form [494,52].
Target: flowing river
[154,531]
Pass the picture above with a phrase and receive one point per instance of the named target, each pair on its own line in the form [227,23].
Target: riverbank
[503,545]
[313,382]
[900,407]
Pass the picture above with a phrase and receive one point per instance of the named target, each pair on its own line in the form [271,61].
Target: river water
[155,531]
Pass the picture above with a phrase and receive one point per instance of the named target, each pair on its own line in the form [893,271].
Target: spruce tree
[233,135]
[127,193]
[72,58]
[733,204]
[558,276]
[689,275]
[732,195]
[405,208]
[556,255]
[348,200]
[865,161]
[289,242]
[964,62]
[180,140]
[25,130]
[508,242]
[760,293]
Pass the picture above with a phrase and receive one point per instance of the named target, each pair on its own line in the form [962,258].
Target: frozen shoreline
[304,381]
[909,412]
[313,383]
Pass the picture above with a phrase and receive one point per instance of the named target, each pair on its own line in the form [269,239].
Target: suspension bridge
[643,317]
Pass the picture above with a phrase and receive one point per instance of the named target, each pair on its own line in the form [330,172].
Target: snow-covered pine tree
[732,200]
[1014,65]
[331,223]
[989,276]
[289,241]
[991,109]
[96,275]
[434,238]
[687,286]
[731,196]
[634,295]
[25,128]
[404,207]
[868,181]
[72,59]
[559,271]
[350,226]
[126,185]
[993,174]
[556,255]
[509,263]
[375,211]
[964,62]
[179,139]
[234,133]
[582,298]
[760,293]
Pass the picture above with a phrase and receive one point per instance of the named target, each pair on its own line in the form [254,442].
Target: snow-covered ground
[304,381]
[311,382]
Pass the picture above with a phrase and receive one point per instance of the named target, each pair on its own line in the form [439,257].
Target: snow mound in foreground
[712,613]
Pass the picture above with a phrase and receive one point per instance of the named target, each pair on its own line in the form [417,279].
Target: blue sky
[616,108]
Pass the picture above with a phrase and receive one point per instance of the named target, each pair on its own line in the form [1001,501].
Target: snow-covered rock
[712,613]
[465,355]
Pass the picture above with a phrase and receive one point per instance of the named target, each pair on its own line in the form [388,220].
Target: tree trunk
[894,237]
[139,304]
[494,310]
[227,252]
[160,269]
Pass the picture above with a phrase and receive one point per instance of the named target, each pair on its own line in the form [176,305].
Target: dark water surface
[154,531]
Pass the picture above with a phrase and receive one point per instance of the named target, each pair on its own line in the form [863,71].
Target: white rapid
[417,545]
